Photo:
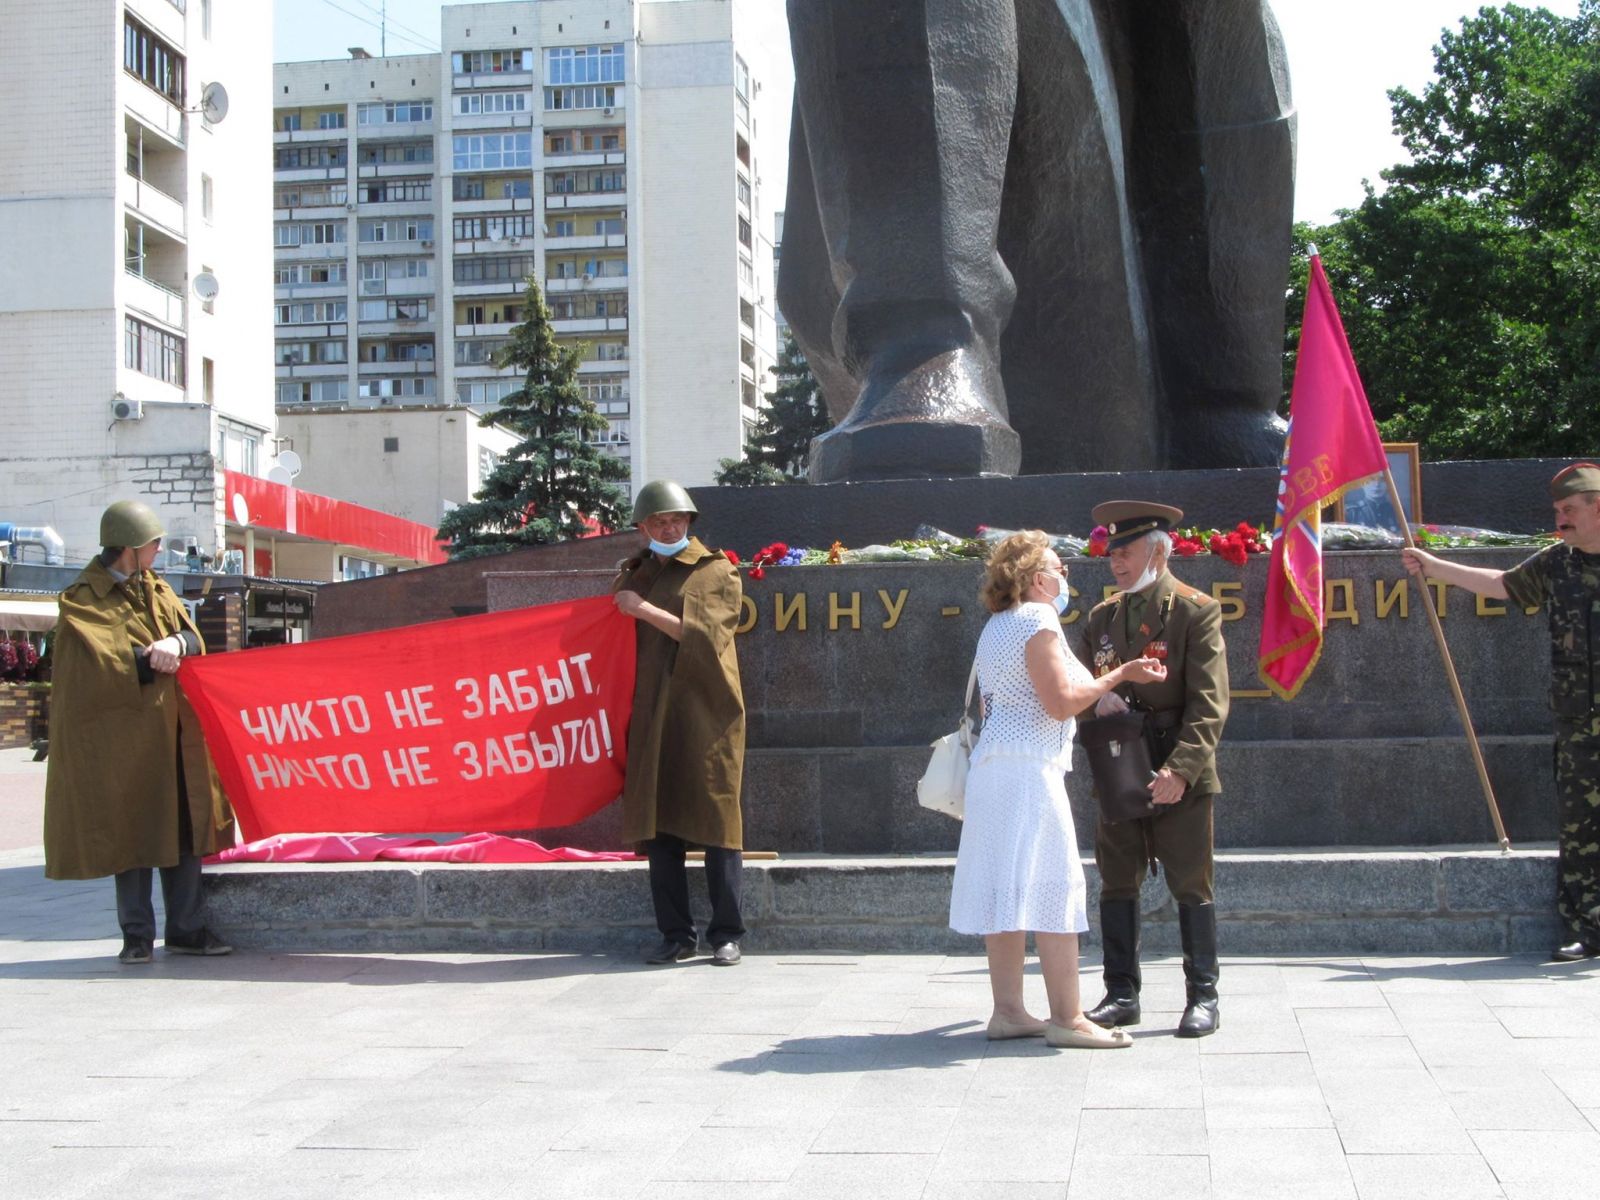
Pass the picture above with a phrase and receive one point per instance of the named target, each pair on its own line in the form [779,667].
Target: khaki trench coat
[686,739]
[111,793]
[1182,626]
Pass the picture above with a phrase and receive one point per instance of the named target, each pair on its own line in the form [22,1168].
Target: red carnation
[732,557]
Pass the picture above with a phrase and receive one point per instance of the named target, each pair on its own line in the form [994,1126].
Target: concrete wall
[435,467]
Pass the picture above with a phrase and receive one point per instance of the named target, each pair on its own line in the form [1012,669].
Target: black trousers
[669,891]
[180,896]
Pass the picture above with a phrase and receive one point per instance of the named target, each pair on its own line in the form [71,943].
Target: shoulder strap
[966,707]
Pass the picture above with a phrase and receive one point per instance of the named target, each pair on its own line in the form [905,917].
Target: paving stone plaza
[816,1075]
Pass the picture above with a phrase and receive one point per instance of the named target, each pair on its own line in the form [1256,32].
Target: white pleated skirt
[1018,866]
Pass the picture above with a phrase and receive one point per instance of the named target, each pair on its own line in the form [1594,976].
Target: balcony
[418,247]
[311,251]
[310,371]
[587,158]
[493,204]
[492,121]
[308,174]
[154,300]
[155,207]
[313,212]
[566,326]
[606,366]
[495,329]
[396,368]
[309,332]
[504,80]
[572,200]
[310,291]
[396,326]
[299,137]
[153,109]
[401,286]
[590,241]
[481,370]
[489,287]
[392,170]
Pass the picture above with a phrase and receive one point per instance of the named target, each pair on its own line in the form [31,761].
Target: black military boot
[1119,939]
[1197,924]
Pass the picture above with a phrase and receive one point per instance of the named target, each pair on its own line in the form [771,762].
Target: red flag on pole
[1332,446]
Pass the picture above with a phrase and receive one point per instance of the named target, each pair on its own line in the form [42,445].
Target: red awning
[268,505]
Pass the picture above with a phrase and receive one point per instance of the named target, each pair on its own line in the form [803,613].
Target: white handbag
[943,786]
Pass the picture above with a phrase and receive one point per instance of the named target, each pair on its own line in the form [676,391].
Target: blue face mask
[672,550]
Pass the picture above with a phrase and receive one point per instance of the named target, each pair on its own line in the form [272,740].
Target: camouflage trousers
[1578,822]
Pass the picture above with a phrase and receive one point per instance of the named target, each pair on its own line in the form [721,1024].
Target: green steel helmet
[662,496]
[130,523]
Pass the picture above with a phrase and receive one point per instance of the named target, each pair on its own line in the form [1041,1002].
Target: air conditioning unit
[608,111]
[588,278]
[349,208]
[426,245]
[123,409]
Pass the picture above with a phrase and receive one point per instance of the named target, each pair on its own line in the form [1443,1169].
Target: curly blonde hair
[1012,564]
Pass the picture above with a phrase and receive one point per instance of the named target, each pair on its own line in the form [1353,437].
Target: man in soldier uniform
[1565,580]
[1157,616]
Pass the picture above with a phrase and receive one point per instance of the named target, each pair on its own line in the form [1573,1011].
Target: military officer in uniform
[1157,616]
[1565,580]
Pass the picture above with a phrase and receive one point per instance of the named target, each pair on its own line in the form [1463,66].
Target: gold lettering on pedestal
[1490,608]
[795,611]
[1109,591]
[1229,597]
[1344,608]
[950,610]
[1399,594]
[836,611]
[892,608]
[1439,589]
[747,615]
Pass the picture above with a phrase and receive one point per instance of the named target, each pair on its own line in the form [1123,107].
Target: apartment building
[609,150]
[134,275]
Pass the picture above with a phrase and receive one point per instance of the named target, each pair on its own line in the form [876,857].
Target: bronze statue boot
[1197,926]
[922,415]
[1227,437]
[1119,939]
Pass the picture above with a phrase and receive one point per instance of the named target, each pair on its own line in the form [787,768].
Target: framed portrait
[1369,503]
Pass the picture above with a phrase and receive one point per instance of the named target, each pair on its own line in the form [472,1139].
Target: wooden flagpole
[1450,670]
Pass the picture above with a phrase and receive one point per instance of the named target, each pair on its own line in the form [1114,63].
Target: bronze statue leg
[907,113]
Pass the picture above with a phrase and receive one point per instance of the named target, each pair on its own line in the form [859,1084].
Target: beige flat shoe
[1067,1038]
[1001,1030]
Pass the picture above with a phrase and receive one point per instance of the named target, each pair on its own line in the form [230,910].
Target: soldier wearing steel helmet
[686,741]
[130,788]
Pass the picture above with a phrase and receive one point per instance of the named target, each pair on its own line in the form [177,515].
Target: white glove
[1109,705]
[166,654]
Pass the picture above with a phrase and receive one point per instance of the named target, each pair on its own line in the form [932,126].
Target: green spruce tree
[779,447]
[555,478]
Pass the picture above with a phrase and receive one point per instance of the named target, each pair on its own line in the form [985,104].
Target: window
[393,351]
[499,269]
[609,391]
[485,391]
[491,62]
[744,232]
[403,112]
[153,352]
[410,308]
[492,151]
[151,61]
[389,191]
[478,352]
[747,273]
[291,273]
[297,158]
[488,460]
[584,64]
[208,198]
[289,122]
[312,312]
[584,182]
[384,389]
[208,380]
[400,229]
[608,226]
[205,19]
[238,446]
[314,391]
[309,195]
[611,351]
[743,189]
[391,445]
[396,152]
[317,233]
[563,228]
[564,99]
[331,120]
[471,104]
[518,225]
[741,77]
[302,353]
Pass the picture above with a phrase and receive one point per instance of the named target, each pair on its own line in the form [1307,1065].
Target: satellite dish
[214,103]
[205,286]
[280,474]
[241,510]
[290,462]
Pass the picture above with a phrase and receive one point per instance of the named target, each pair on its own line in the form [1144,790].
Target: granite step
[1435,900]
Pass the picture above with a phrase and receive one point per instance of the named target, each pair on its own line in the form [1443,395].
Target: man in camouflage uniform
[1565,580]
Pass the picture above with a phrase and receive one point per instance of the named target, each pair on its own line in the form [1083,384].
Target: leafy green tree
[555,480]
[781,441]
[1470,288]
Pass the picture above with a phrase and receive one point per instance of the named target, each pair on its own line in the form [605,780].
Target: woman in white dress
[1018,868]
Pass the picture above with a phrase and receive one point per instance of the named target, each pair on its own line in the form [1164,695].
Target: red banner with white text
[513,720]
